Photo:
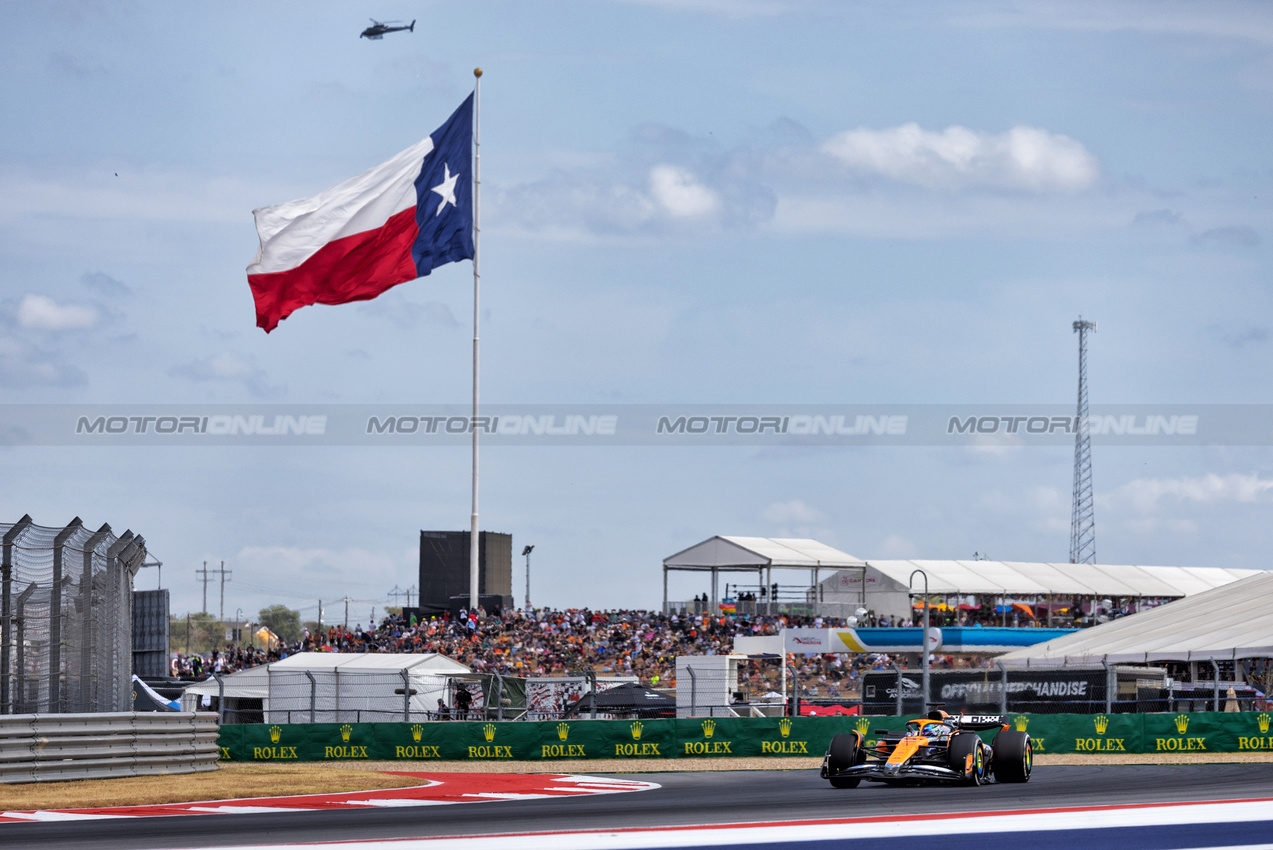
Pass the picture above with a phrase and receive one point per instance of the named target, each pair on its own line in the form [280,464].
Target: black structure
[150,634]
[444,567]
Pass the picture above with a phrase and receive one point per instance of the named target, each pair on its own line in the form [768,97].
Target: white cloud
[896,546]
[1144,494]
[1023,158]
[230,367]
[794,511]
[680,193]
[40,312]
[22,365]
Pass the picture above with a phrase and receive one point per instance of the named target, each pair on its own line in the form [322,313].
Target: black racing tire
[845,751]
[962,745]
[1013,756]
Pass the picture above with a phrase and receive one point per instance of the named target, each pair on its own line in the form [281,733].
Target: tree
[283,621]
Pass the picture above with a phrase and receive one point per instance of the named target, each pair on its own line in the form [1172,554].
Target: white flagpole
[477,278]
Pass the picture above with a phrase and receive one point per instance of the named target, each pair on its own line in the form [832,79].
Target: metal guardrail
[55,747]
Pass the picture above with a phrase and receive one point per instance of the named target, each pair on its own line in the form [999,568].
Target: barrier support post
[1003,687]
[1110,685]
[220,698]
[1215,686]
[313,695]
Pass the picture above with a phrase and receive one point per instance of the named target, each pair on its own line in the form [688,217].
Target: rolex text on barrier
[718,737]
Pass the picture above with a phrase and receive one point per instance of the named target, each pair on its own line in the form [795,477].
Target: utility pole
[204,576]
[410,590]
[223,572]
[346,613]
[1082,511]
[395,593]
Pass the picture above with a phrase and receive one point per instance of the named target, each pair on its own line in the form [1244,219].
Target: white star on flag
[446,189]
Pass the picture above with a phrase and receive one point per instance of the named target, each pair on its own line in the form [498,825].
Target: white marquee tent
[1225,623]
[886,582]
[342,685]
[759,555]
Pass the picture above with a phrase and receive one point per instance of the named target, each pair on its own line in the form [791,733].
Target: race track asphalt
[683,799]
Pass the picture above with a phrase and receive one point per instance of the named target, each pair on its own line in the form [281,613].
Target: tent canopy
[750,553]
[254,682]
[1015,578]
[1227,622]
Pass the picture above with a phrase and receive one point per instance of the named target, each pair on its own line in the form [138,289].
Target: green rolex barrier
[1200,732]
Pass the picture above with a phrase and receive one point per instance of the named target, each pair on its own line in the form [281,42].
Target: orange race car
[938,748]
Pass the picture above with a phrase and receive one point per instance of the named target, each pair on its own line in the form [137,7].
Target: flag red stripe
[352,268]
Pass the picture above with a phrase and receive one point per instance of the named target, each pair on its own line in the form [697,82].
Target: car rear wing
[979,722]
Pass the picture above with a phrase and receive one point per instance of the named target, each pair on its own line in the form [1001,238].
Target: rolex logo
[709,728]
[416,731]
[1182,723]
[276,732]
[1021,722]
[345,731]
[563,729]
[488,732]
[864,726]
[636,728]
[1263,720]
[1101,722]
[784,726]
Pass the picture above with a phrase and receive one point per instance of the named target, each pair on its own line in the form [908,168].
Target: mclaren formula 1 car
[938,748]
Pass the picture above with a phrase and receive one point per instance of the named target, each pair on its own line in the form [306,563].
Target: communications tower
[1082,514]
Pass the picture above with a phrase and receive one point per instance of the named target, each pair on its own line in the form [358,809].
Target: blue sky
[755,201]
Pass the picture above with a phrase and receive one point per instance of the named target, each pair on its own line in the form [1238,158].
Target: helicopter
[378,29]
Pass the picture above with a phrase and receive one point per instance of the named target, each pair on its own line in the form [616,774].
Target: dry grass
[231,781]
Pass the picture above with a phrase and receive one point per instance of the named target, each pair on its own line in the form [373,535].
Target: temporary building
[332,687]
[758,555]
[885,586]
[1225,623]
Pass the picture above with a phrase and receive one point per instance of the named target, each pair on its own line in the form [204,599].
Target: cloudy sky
[684,201]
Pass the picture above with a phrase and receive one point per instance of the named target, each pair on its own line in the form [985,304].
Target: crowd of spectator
[542,643]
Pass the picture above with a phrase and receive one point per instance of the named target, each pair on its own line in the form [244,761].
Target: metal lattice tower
[1082,514]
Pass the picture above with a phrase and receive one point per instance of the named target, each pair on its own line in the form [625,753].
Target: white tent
[886,582]
[336,687]
[759,555]
[1227,622]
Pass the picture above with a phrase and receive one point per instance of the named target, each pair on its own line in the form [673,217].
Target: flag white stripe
[292,232]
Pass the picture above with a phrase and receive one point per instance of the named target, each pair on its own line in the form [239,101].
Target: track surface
[683,799]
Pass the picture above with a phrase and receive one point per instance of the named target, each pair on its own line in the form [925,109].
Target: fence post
[1003,687]
[406,695]
[899,689]
[694,690]
[1215,689]
[499,697]
[220,697]
[795,692]
[313,695]
[1110,684]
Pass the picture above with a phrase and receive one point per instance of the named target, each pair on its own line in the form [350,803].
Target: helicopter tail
[412,27]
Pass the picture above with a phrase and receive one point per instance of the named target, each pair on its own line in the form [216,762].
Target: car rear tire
[1014,756]
[963,745]
[845,752]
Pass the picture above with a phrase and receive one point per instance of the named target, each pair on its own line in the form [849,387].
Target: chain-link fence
[65,608]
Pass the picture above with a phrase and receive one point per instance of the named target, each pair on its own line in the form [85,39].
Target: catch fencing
[281,696]
[65,609]
[49,748]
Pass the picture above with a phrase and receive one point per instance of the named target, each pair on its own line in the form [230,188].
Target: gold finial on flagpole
[477,72]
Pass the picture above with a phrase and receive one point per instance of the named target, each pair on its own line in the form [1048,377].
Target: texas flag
[392,223]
